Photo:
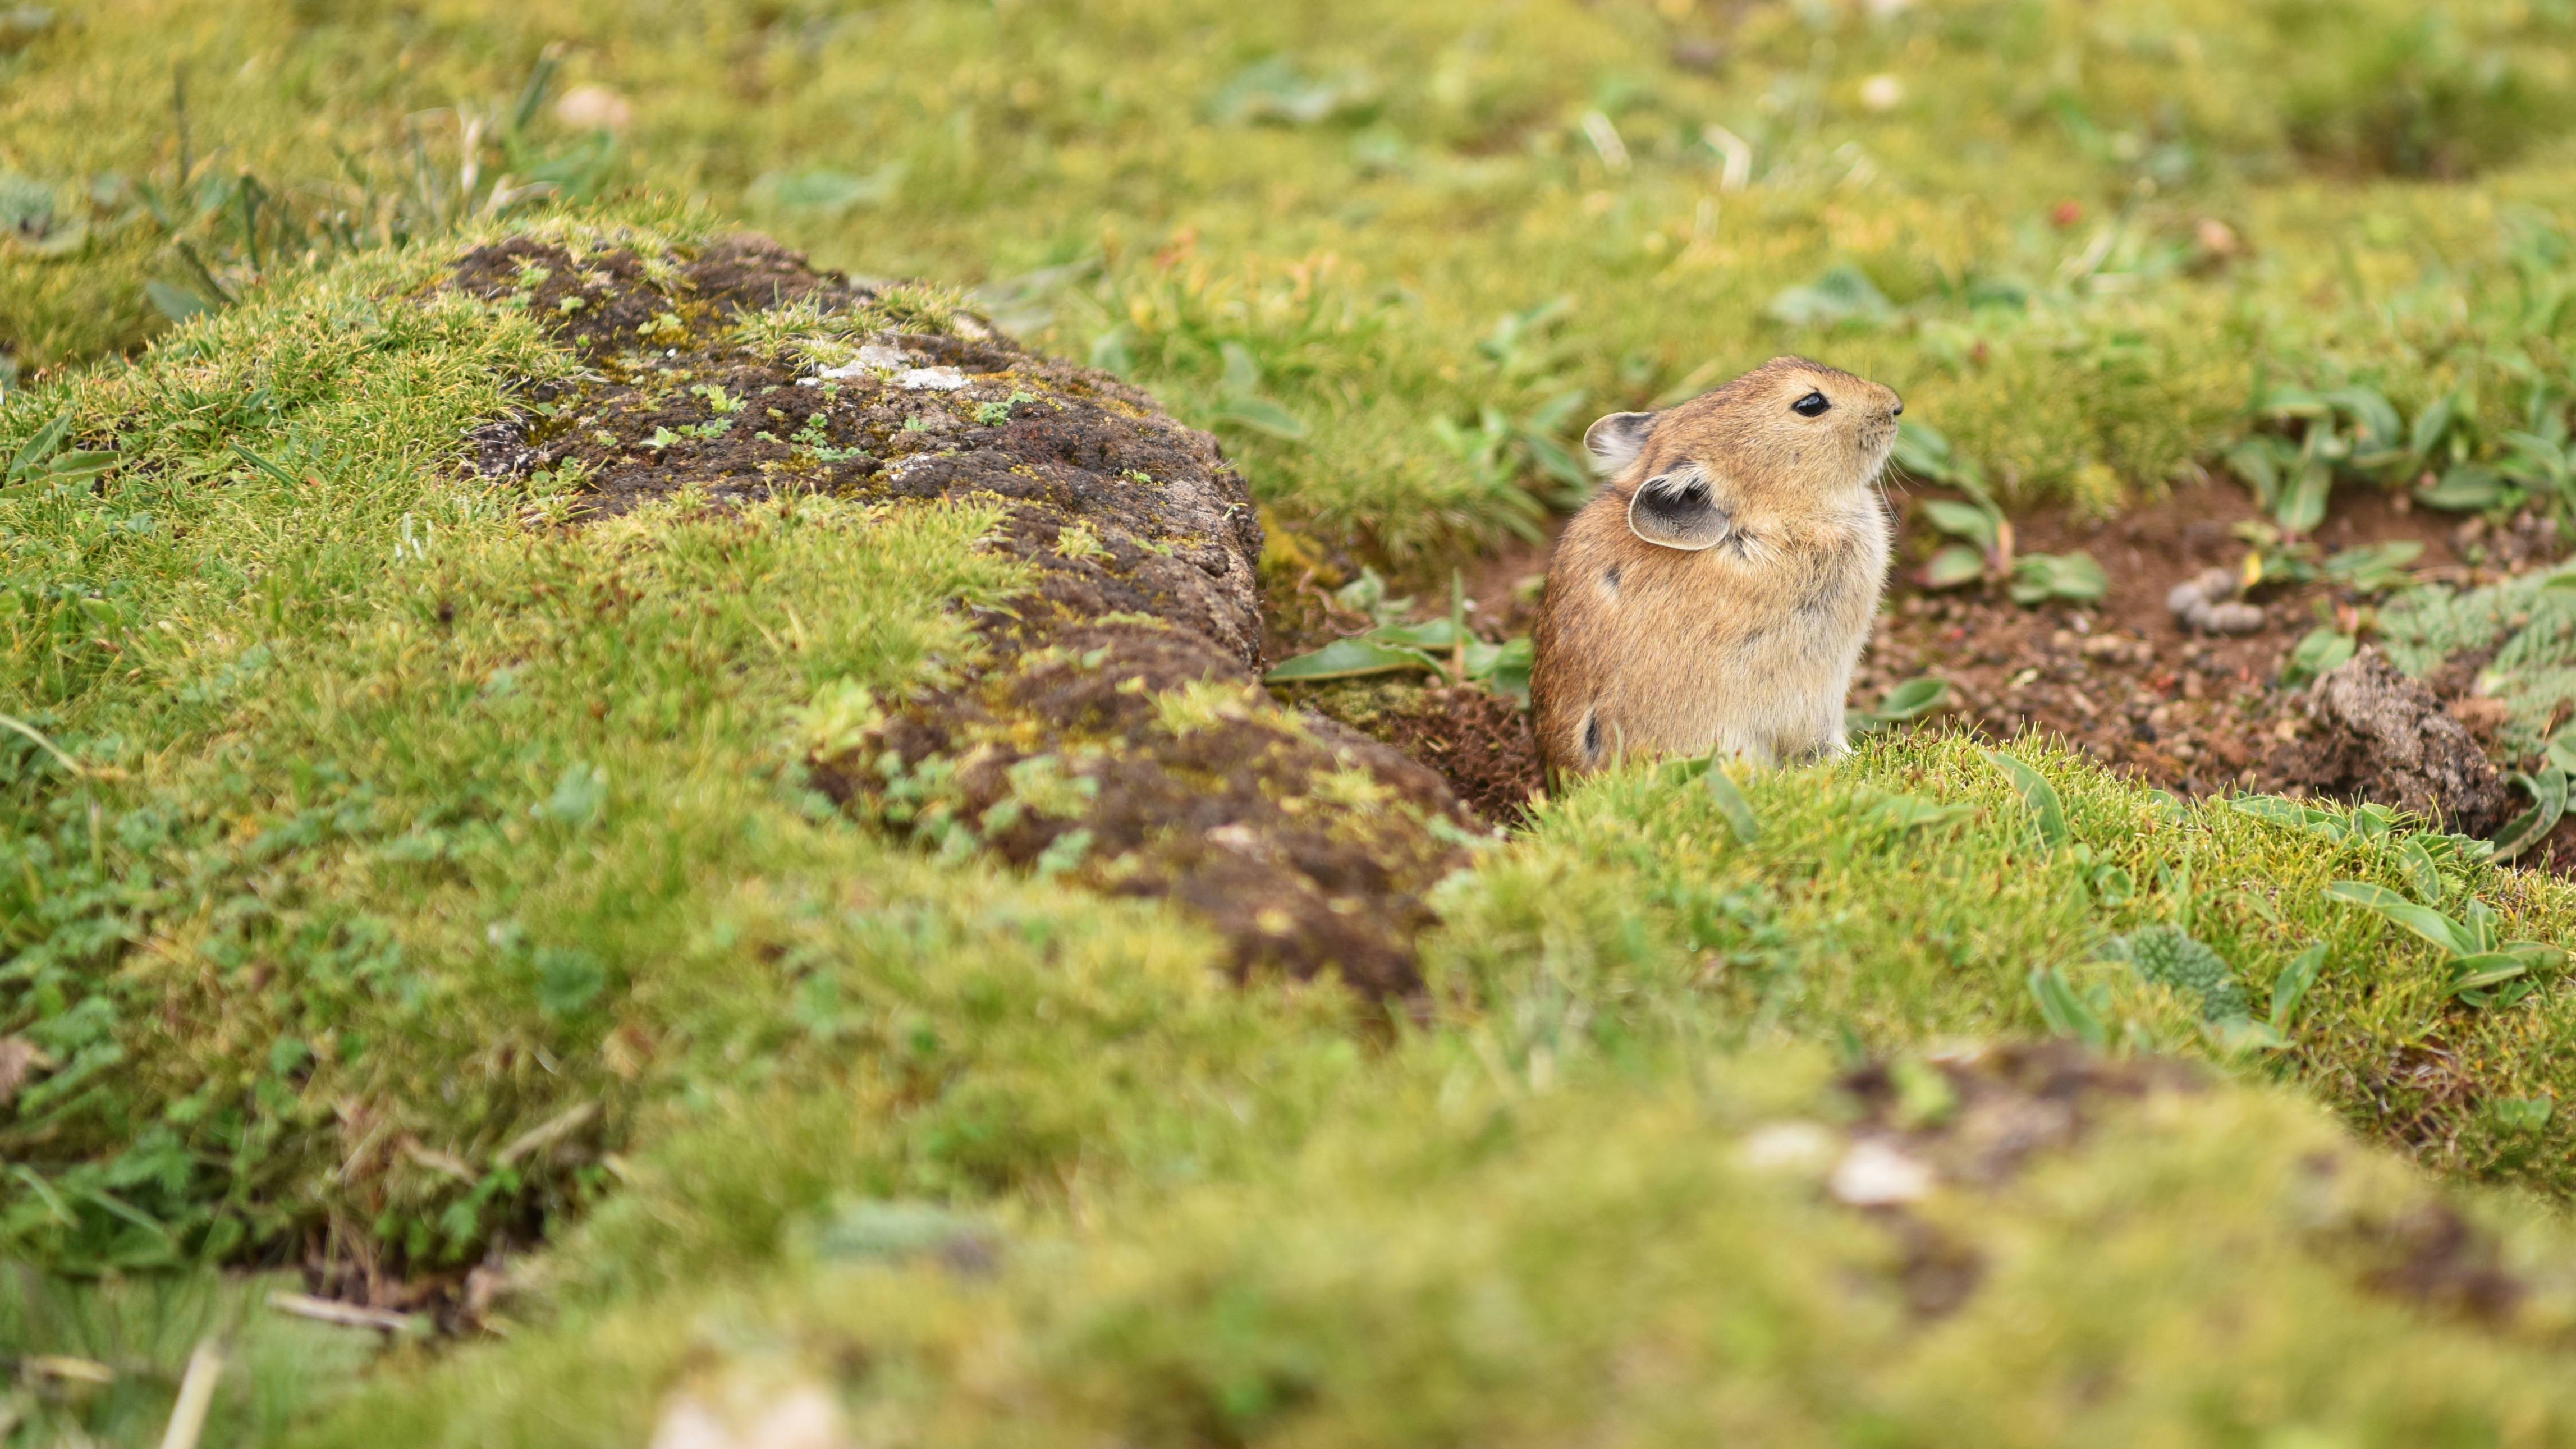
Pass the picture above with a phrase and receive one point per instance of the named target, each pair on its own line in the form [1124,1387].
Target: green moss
[398,873]
[370,830]
[1343,297]
[1498,1251]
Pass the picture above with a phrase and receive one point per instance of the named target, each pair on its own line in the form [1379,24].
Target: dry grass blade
[347,1315]
[196,1396]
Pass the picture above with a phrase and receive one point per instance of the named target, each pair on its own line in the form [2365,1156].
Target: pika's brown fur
[1716,595]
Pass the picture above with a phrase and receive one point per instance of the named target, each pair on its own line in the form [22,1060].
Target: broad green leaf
[2302,503]
[2548,792]
[1913,699]
[1962,520]
[2485,969]
[1503,668]
[2254,461]
[1732,804]
[1350,659]
[1922,451]
[2432,424]
[2047,810]
[2466,488]
[2289,400]
[2374,566]
[1958,564]
[2380,426]
[2454,938]
[2272,809]
[176,303]
[1902,813]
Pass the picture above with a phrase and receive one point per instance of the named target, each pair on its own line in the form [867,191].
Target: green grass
[1322,223]
[1486,1253]
[395,879]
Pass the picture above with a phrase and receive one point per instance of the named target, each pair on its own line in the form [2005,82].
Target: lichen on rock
[1114,728]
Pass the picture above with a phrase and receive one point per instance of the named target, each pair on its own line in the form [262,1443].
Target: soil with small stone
[2122,678]
[1114,728]
[1975,1121]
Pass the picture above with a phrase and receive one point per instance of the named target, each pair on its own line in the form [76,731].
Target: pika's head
[1788,437]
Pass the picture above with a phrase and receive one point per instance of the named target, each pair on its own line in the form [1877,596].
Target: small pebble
[1873,1174]
[1788,1147]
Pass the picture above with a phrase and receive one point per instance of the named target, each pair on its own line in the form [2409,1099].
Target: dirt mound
[1115,728]
[2385,737]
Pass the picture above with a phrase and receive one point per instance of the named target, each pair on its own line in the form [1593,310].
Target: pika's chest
[1817,574]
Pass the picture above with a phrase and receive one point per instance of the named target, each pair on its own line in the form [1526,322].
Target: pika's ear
[1678,510]
[1617,439]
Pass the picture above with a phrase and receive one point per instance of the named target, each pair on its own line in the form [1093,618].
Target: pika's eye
[1812,405]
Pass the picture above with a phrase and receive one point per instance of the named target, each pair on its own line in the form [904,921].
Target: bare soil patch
[2121,678]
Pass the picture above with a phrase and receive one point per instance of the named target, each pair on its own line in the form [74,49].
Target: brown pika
[1717,592]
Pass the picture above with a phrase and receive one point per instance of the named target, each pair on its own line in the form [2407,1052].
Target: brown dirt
[2004,1104]
[1306,847]
[2385,737]
[2120,678]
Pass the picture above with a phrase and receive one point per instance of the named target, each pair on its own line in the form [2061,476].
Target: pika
[1716,593]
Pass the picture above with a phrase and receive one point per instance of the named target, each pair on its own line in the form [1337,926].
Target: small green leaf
[2291,986]
[1922,451]
[2467,488]
[2548,792]
[2065,1012]
[1732,804]
[2039,577]
[2320,652]
[580,794]
[2432,424]
[1904,813]
[176,303]
[2380,427]
[2472,973]
[1262,416]
[2454,938]
[568,979]
[263,465]
[1963,520]
[2271,809]
[2047,810]
[1958,564]
[2423,875]
[2289,400]
[1913,699]
[2524,1114]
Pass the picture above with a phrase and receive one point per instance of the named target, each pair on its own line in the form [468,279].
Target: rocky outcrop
[1113,728]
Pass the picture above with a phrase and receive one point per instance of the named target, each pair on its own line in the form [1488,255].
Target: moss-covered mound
[1113,726]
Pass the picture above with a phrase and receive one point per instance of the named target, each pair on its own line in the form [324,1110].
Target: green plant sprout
[2485,970]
